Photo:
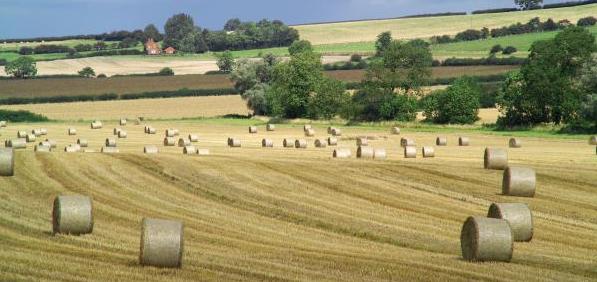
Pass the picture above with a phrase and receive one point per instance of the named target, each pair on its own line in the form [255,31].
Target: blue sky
[33,18]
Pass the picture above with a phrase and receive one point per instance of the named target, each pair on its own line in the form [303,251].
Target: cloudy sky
[32,18]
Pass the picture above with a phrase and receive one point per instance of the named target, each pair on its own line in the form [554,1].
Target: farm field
[288,214]
[15,46]
[363,31]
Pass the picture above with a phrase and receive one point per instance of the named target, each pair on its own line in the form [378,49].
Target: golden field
[288,214]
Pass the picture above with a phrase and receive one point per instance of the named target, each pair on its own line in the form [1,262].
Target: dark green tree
[300,46]
[151,31]
[459,104]
[384,40]
[22,67]
[232,24]
[225,61]
[87,72]
[528,4]
[176,29]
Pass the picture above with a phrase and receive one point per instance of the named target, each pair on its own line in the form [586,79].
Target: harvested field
[285,214]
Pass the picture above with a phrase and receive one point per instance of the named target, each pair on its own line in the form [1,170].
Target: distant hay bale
[380,154]
[270,127]
[52,142]
[72,131]
[320,143]
[519,216]
[300,144]
[307,127]
[332,141]
[43,131]
[267,143]
[37,132]
[151,130]
[96,124]
[365,152]
[169,141]
[310,132]
[72,148]
[428,152]
[463,141]
[253,129]
[407,142]
[82,142]
[110,150]
[30,138]
[151,149]
[336,132]
[122,122]
[410,152]
[183,142]
[162,243]
[342,153]
[42,148]
[116,131]
[22,134]
[593,140]
[519,181]
[193,138]
[72,215]
[110,142]
[171,132]
[17,143]
[234,143]
[7,161]
[495,158]
[2,123]
[362,141]
[396,130]
[441,141]
[515,143]
[203,152]
[189,150]
[288,143]
[486,239]
[45,143]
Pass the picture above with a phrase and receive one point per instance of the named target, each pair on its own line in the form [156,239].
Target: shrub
[469,35]
[25,50]
[21,116]
[496,49]
[588,21]
[459,104]
[483,61]
[166,72]
[442,39]
[3,62]
[355,58]
[101,75]
[509,50]
[87,72]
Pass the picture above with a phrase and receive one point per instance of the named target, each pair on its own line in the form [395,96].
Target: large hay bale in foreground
[486,239]
[410,152]
[515,143]
[22,134]
[270,127]
[428,152]
[320,143]
[441,141]
[30,138]
[495,158]
[362,141]
[267,143]
[203,152]
[169,141]
[288,143]
[189,150]
[336,132]
[83,142]
[365,152]
[72,131]
[52,142]
[593,140]
[17,143]
[110,150]
[407,142]
[151,149]
[463,141]
[380,154]
[42,148]
[72,215]
[183,142]
[332,141]
[122,122]
[253,129]
[300,144]
[519,216]
[96,124]
[234,143]
[342,153]
[310,132]
[519,181]
[396,130]
[162,243]
[7,161]
[194,138]
[110,142]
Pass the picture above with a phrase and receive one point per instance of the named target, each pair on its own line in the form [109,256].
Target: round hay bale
[151,149]
[116,131]
[37,132]
[52,142]
[83,143]
[253,129]
[169,141]
[162,243]
[410,152]
[441,141]
[189,150]
[307,127]
[362,141]
[463,141]
[182,142]
[110,142]
[396,130]
[270,127]
[336,132]
[72,215]
[310,132]
[203,152]
[72,148]
[515,143]
[43,131]
[2,123]
[519,181]
[193,138]
[593,140]
[300,144]
[332,141]
[407,142]
[486,239]
[380,154]
[22,134]
[45,143]
[342,153]
[72,131]
[151,130]
[330,128]
[320,143]
[267,143]
[7,161]
[123,122]
[110,150]
[234,143]
[288,143]
[42,148]
[428,152]
[171,132]
[96,124]
[519,216]
[18,143]
[365,152]
[30,138]
[495,158]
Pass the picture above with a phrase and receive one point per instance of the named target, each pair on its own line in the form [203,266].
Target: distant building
[152,48]
[170,50]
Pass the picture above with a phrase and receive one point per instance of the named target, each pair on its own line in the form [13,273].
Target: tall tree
[151,31]
[176,29]
[384,40]
[232,24]
[528,4]
[22,67]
